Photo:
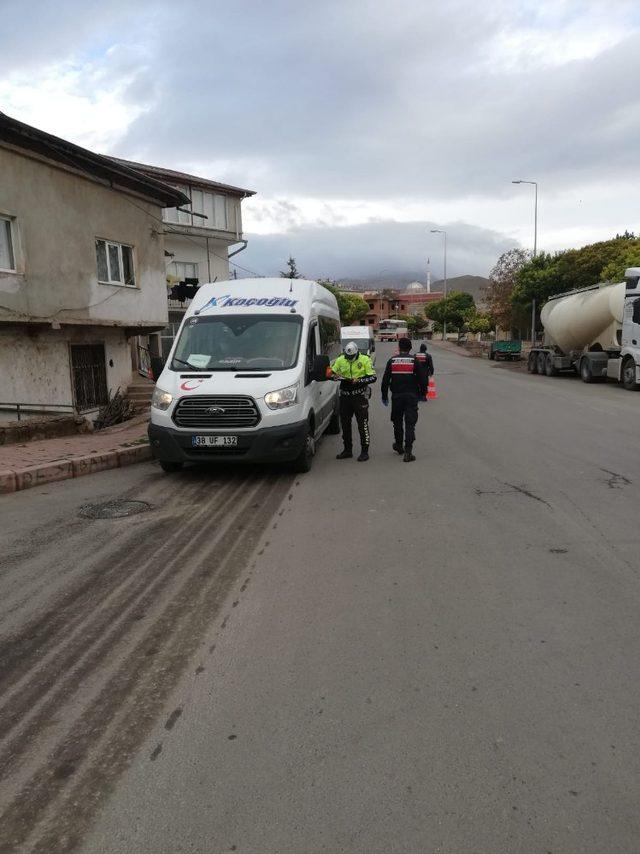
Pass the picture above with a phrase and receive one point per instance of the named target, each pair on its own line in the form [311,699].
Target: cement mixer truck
[593,331]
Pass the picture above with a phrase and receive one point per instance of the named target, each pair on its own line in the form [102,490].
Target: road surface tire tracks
[101,741]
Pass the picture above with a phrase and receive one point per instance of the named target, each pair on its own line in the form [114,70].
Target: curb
[16,480]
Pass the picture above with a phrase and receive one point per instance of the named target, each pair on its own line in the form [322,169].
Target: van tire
[304,460]
[333,428]
[170,467]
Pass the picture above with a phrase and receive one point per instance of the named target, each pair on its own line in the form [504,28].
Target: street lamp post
[444,319]
[535,250]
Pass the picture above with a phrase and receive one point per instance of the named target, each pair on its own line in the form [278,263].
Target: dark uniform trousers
[358,405]
[404,415]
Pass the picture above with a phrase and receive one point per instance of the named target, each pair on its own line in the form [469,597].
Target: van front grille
[216,412]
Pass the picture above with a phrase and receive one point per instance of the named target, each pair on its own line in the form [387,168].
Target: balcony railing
[179,304]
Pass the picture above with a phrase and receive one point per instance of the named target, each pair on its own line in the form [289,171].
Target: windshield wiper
[188,364]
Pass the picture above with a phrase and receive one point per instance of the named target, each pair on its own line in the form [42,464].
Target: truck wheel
[169,467]
[304,460]
[628,377]
[532,363]
[585,371]
[542,362]
[549,368]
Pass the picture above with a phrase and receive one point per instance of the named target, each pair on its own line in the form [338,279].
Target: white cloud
[82,103]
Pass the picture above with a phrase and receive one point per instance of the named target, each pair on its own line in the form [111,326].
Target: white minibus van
[363,337]
[245,379]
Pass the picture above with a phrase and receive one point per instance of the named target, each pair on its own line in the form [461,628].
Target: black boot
[344,455]
[397,447]
[364,455]
[408,456]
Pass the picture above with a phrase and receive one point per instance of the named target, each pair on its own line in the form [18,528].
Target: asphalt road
[440,656]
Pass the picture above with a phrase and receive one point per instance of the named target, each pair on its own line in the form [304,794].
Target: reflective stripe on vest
[402,365]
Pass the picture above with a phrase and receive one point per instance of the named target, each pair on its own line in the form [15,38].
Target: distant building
[395,304]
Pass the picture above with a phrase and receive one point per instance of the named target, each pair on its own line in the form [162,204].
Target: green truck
[511,350]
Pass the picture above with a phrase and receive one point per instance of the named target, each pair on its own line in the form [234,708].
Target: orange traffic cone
[432,392]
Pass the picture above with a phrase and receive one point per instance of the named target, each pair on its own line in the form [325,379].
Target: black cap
[404,344]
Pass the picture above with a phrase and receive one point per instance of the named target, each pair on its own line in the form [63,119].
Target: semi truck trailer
[593,331]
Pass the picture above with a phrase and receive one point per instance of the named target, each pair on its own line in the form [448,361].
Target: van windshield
[232,342]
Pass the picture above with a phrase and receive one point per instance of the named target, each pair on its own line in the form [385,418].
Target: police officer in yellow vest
[355,372]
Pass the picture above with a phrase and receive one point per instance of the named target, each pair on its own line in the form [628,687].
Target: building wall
[59,215]
[194,250]
[35,364]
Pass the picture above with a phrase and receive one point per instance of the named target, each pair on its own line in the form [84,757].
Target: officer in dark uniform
[407,377]
[425,357]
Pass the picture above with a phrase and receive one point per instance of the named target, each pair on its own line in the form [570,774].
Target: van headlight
[282,398]
[161,399]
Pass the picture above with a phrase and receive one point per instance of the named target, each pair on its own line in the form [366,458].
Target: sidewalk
[34,463]
[451,346]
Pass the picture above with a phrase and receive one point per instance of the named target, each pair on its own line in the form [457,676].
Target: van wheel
[628,377]
[334,425]
[169,467]
[304,460]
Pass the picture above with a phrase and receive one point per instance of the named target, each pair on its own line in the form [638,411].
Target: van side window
[636,311]
[330,337]
[312,352]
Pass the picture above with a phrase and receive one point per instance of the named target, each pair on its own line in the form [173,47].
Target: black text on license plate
[213,441]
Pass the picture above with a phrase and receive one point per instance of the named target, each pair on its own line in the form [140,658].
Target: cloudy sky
[361,124]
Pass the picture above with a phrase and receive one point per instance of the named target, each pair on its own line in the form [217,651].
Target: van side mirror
[157,365]
[321,365]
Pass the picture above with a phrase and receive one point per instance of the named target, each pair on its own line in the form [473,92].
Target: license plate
[213,441]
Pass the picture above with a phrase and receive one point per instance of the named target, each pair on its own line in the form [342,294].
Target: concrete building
[82,269]
[197,241]
[395,304]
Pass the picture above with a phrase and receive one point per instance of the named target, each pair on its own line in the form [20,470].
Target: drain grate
[116,509]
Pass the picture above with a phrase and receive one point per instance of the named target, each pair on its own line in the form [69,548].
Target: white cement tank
[583,318]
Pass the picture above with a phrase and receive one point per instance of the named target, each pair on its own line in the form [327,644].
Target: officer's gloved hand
[385,402]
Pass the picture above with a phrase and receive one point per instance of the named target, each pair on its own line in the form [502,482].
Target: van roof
[277,294]
[358,331]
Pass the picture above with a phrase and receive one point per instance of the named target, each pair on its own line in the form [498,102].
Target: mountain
[473,285]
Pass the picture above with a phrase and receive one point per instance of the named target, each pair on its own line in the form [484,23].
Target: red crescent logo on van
[186,387]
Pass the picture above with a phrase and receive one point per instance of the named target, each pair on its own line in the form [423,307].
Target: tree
[547,275]
[502,281]
[478,321]
[292,272]
[352,307]
[629,257]
[452,309]
[416,323]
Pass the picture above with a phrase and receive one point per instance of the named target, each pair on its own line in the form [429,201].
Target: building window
[115,264]
[215,210]
[185,270]
[371,306]
[7,254]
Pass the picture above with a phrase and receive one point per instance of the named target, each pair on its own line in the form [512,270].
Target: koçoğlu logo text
[228,300]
